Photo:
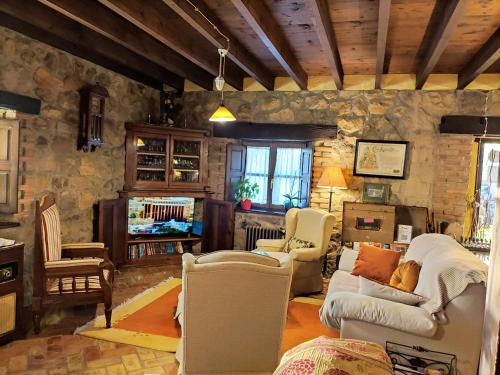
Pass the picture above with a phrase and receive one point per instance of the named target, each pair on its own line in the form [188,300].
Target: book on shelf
[140,250]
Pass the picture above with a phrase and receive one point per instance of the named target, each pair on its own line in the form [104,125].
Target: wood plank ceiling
[166,41]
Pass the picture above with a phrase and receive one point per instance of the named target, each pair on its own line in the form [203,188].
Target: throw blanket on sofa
[445,275]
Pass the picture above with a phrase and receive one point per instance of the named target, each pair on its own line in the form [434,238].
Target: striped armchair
[67,274]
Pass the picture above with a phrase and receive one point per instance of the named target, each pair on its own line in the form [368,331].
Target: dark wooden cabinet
[161,158]
[11,292]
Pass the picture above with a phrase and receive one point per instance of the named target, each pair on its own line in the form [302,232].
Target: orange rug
[142,321]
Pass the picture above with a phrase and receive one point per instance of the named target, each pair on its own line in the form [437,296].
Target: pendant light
[222,114]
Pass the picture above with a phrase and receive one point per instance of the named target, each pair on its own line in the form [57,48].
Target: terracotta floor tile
[18,363]
[117,370]
[131,362]
[75,362]
[3,370]
[59,371]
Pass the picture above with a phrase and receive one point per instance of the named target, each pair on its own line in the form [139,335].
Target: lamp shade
[332,177]
[222,114]
[140,142]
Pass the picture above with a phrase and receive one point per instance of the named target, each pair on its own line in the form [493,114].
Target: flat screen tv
[161,216]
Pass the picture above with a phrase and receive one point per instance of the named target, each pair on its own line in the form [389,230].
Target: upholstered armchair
[232,310]
[307,224]
[67,274]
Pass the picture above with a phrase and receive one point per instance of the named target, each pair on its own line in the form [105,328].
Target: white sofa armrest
[354,306]
[270,245]
[306,254]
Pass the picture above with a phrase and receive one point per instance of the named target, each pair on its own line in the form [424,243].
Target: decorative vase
[246,204]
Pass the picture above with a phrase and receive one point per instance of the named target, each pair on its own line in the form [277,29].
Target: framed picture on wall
[376,193]
[386,159]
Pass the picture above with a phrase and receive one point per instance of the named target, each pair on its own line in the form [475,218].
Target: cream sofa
[455,330]
[308,224]
[232,311]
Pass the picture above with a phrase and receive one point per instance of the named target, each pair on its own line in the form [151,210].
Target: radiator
[256,232]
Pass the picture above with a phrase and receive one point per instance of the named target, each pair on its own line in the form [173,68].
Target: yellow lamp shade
[140,142]
[332,177]
[222,114]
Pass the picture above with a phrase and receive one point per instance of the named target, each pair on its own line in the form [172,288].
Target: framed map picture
[386,159]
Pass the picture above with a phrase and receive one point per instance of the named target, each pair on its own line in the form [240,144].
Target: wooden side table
[11,292]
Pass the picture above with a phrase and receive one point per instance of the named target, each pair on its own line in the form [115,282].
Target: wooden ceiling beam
[149,17]
[237,52]
[488,54]
[326,35]
[112,26]
[444,19]
[384,11]
[44,24]
[260,19]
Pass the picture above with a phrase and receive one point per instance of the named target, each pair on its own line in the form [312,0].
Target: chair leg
[107,313]
[37,309]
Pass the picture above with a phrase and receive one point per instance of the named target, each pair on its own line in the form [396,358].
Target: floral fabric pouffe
[327,356]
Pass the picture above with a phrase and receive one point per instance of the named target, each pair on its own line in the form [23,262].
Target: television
[160,216]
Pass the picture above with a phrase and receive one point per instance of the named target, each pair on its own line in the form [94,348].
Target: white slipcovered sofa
[450,320]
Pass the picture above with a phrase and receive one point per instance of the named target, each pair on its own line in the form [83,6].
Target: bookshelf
[160,161]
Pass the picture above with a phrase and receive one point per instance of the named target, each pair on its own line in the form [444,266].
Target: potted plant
[245,192]
[291,196]
[288,203]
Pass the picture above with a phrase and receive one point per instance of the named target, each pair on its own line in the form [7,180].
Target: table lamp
[332,178]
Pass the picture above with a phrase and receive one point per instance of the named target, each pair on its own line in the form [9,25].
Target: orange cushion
[376,263]
[405,276]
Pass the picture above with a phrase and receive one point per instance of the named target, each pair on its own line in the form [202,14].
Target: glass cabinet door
[185,168]
[151,159]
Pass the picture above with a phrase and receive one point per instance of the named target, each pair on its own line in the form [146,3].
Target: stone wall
[390,115]
[49,158]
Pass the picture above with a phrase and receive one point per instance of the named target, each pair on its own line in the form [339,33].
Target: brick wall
[452,177]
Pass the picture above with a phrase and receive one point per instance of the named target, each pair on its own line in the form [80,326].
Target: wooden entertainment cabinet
[160,162]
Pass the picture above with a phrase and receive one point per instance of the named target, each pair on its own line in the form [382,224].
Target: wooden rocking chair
[67,274]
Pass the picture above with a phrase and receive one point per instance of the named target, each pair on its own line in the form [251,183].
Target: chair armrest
[84,250]
[62,271]
[306,254]
[73,263]
[82,245]
[270,245]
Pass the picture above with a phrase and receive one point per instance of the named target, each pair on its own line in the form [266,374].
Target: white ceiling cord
[219,80]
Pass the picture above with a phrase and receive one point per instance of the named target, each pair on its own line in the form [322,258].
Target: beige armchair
[232,310]
[308,224]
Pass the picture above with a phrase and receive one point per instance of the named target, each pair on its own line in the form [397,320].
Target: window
[9,156]
[278,169]
[486,189]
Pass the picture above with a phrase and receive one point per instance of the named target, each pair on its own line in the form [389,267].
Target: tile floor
[56,351]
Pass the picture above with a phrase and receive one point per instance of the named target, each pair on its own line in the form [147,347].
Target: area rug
[142,321]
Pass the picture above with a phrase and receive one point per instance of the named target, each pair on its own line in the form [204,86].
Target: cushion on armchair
[296,243]
[51,234]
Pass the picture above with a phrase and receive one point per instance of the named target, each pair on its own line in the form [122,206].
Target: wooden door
[9,157]
[113,220]
[218,229]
